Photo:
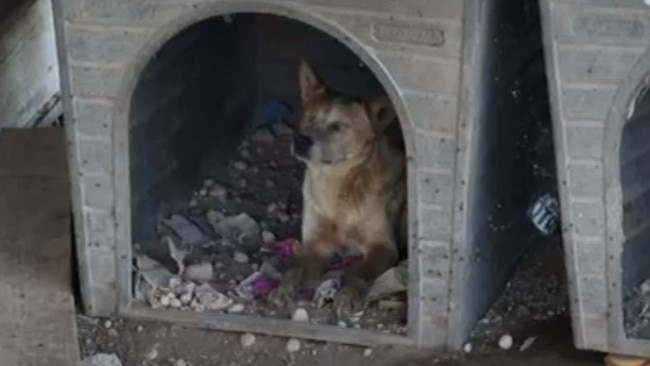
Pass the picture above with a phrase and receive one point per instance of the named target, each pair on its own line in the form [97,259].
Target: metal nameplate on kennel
[173,107]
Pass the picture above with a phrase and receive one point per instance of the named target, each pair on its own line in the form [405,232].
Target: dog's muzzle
[301,145]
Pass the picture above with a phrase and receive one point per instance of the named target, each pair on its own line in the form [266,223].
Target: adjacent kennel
[135,73]
[598,67]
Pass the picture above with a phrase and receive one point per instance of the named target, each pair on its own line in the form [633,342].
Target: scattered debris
[326,290]
[506,342]
[293,345]
[201,272]
[211,299]
[268,237]
[527,343]
[240,230]
[102,359]
[390,282]
[247,340]
[189,233]
[240,257]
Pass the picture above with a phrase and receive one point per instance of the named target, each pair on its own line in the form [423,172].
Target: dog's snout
[301,145]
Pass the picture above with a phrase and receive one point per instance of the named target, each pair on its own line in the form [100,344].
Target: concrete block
[99,229]
[585,141]
[590,256]
[586,180]
[95,81]
[94,156]
[436,188]
[435,224]
[435,260]
[587,103]
[425,75]
[433,112]
[435,152]
[104,45]
[593,293]
[93,117]
[607,65]
[102,263]
[588,218]
[97,191]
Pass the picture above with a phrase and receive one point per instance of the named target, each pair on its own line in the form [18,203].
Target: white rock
[240,165]
[240,257]
[218,191]
[506,342]
[367,352]
[180,362]
[645,287]
[236,309]
[203,192]
[247,340]
[186,298]
[293,345]
[175,303]
[467,348]
[208,183]
[139,328]
[200,272]
[108,324]
[527,343]
[300,315]
[175,282]
[152,354]
[268,237]
[102,359]
[341,324]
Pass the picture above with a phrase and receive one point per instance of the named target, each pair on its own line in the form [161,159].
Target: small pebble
[186,298]
[108,324]
[341,324]
[139,329]
[180,363]
[527,343]
[247,340]
[240,257]
[175,303]
[240,165]
[505,342]
[112,333]
[152,354]
[367,352]
[467,348]
[300,315]
[208,183]
[293,345]
[218,191]
[203,192]
[236,309]
[268,237]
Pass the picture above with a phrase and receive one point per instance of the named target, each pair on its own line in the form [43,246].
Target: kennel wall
[423,52]
[598,65]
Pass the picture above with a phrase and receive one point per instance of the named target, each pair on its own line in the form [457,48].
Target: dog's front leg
[351,298]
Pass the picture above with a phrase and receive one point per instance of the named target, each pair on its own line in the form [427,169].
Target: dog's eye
[334,127]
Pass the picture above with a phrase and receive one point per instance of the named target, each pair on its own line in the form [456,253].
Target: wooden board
[37,313]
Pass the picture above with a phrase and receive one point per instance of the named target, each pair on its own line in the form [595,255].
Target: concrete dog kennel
[149,85]
[598,68]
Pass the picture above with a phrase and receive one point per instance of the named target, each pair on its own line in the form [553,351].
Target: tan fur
[354,203]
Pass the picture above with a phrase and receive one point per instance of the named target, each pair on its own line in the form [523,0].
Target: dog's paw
[282,295]
[350,301]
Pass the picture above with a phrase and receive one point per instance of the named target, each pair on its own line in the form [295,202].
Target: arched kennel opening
[212,118]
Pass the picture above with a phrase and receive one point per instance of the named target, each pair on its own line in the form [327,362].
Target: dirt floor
[532,308]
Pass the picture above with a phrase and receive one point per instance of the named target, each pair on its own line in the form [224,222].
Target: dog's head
[336,128]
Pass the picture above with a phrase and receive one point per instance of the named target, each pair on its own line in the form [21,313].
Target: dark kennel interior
[195,100]
[514,160]
[205,108]
[634,170]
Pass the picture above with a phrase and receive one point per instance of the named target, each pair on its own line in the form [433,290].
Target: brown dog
[354,191]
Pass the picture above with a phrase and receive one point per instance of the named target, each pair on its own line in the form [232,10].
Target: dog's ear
[382,114]
[310,84]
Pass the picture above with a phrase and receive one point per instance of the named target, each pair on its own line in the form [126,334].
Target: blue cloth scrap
[269,112]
